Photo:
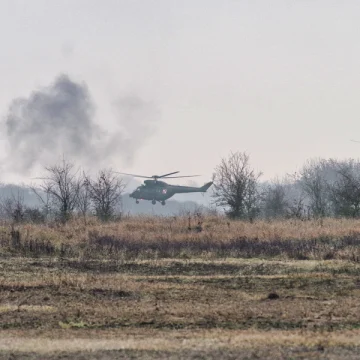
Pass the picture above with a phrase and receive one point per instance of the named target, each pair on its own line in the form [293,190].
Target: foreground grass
[198,309]
[114,291]
[200,345]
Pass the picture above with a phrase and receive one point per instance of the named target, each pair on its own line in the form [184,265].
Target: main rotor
[156,177]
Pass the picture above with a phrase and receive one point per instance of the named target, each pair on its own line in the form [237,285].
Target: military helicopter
[157,190]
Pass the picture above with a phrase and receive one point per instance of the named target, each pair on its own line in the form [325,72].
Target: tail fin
[206,186]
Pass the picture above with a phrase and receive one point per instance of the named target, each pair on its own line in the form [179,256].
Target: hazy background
[160,86]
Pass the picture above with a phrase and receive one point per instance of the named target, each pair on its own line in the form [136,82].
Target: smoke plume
[60,120]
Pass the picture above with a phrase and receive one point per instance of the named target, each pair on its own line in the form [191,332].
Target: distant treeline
[66,191]
[321,188]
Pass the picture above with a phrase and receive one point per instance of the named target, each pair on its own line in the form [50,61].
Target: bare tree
[45,208]
[84,198]
[314,181]
[61,187]
[275,201]
[236,187]
[296,208]
[345,191]
[13,207]
[105,193]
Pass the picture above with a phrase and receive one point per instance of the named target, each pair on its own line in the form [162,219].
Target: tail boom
[206,186]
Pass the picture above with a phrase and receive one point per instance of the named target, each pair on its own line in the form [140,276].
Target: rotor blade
[178,177]
[161,176]
[140,176]
[355,141]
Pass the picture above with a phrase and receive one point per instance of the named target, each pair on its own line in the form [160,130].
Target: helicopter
[157,190]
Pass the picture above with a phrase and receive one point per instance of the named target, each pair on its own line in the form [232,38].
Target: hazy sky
[278,79]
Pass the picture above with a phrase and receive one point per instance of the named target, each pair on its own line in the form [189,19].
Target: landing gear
[163,202]
[153,202]
[137,201]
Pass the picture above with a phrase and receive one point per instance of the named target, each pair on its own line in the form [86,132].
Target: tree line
[321,188]
[66,191]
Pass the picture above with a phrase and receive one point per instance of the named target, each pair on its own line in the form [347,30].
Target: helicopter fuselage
[161,191]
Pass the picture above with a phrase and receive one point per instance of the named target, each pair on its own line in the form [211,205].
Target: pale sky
[278,79]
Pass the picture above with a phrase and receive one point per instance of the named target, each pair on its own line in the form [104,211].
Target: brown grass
[151,288]
[177,229]
[152,238]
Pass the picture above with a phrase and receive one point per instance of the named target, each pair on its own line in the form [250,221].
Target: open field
[154,289]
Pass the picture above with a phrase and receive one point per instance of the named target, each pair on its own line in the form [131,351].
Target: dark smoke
[60,120]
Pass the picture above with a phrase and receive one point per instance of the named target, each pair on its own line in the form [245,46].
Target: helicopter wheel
[137,201]
[163,202]
[153,202]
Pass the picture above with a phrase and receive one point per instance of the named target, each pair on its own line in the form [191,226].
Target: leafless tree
[296,208]
[61,187]
[45,208]
[236,187]
[275,201]
[314,181]
[105,193]
[84,198]
[345,191]
[13,207]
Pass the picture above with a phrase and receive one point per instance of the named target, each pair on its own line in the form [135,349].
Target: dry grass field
[174,288]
